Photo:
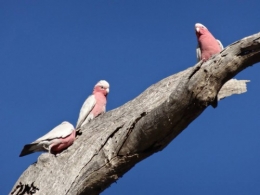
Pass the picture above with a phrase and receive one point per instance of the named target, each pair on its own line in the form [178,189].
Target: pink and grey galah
[55,141]
[207,44]
[95,104]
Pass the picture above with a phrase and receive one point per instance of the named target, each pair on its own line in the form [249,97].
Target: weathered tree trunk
[139,128]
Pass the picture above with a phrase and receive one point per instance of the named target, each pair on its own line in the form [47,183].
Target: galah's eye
[101,87]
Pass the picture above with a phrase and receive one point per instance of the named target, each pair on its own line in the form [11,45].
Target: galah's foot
[56,155]
[78,133]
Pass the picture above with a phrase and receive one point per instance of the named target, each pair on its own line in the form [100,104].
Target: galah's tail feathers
[31,148]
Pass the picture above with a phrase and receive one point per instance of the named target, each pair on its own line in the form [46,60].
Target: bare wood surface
[139,128]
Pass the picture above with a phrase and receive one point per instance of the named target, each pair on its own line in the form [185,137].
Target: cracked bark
[141,127]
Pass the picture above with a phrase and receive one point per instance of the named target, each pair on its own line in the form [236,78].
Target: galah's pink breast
[100,104]
[209,46]
[65,143]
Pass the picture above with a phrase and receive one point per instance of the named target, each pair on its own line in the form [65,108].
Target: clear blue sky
[53,52]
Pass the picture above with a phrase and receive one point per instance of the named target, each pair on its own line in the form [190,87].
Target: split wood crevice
[114,142]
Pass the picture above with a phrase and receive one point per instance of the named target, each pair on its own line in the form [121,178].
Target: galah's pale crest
[95,104]
[58,139]
[207,44]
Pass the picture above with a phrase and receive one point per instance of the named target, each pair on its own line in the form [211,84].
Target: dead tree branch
[141,127]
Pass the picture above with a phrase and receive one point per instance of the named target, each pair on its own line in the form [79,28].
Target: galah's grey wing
[62,130]
[220,45]
[198,53]
[42,144]
[86,109]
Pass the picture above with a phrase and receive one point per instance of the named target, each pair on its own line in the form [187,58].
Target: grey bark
[139,128]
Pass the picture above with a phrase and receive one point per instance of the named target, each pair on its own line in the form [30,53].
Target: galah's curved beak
[107,89]
[197,29]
